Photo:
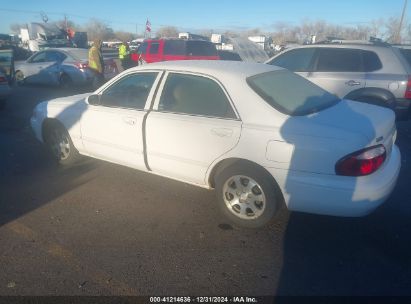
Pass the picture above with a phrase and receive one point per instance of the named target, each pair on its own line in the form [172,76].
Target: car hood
[68,101]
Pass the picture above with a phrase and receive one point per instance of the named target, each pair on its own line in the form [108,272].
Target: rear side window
[290,93]
[195,95]
[298,60]
[55,56]
[371,61]
[174,47]
[406,53]
[339,60]
[200,48]
[154,48]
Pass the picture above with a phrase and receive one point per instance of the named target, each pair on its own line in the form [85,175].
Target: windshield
[290,93]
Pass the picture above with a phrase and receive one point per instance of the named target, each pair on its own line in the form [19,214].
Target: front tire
[19,78]
[60,144]
[247,195]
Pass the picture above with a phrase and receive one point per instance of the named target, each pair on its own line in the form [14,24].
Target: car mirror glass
[93,99]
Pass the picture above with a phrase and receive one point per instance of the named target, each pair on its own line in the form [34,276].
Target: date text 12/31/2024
[203,300]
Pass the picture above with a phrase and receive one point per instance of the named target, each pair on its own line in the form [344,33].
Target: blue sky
[209,14]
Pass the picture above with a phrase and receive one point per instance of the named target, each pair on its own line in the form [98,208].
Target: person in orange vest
[96,62]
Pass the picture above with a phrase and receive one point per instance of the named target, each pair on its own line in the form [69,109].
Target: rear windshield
[78,54]
[290,93]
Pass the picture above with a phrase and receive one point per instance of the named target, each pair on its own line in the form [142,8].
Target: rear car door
[338,70]
[52,68]
[112,129]
[153,52]
[193,124]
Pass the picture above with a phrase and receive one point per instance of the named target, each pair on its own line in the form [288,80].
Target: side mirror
[93,99]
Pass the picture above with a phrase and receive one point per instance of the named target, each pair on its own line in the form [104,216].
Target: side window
[40,57]
[55,56]
[200,48]
[371,61]
[339,60]
[174,47]
[154,48]
[194,95]
[143,48]
[129,92]
[298,60]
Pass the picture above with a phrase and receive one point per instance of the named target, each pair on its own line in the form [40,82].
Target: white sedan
[262,136]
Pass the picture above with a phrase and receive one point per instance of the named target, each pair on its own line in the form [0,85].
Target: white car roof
[217,68]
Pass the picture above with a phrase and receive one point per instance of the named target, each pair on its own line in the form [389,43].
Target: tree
[62,24]
[97,29]
[167,31]
[124,36]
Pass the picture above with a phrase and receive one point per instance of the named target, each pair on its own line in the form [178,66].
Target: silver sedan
[62,66]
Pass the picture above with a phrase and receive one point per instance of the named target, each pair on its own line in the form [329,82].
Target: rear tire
[60,144]
[247,195]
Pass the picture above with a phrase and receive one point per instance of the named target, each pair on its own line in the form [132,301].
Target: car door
[33,66]
[112,128]
[52,68]
[338,70]
[193,123]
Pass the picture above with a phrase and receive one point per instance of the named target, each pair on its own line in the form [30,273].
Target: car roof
[64,49]
[213,67]
[362,46]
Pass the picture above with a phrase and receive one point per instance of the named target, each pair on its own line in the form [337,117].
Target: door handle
[129,120]
[222,132]
[352,83]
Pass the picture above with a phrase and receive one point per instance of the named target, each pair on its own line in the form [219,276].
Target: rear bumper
[339,195]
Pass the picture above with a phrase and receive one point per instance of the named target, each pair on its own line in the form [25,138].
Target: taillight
[407,94]
[363,162]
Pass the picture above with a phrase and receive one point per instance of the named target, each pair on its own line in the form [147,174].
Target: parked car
[6,74]
[63,66]
[174,49]
[5,90]
[366,72]
[260,135]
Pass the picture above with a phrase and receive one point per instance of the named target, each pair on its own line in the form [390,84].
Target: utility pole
[398,40]
[65,22]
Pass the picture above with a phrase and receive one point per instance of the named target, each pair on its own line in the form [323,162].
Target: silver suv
[377,74]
